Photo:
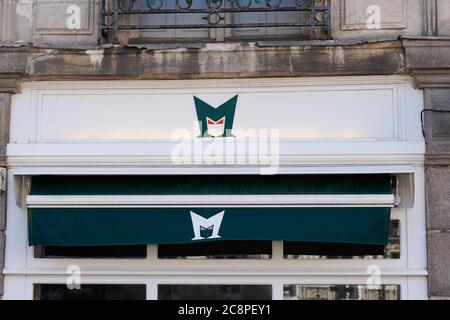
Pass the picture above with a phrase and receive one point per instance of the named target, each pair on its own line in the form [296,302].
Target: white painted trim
[21,286]
[382,200]
[355,169]
[163,148]
[223,83]
[224,272]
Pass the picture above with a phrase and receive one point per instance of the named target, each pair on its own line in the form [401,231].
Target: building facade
[222,149]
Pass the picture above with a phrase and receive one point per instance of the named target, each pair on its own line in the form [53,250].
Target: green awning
[126,226]
[132,225]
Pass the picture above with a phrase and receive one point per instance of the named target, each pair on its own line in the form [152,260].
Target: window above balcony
[214,20]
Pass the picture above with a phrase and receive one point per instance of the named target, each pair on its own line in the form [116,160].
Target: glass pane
[341,292]
[111,252]
[263,18]
[90,292]
[214,292]
[179,19]
[217,250]
[305,251]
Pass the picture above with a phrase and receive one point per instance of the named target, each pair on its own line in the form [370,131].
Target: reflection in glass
[214,292]
[97,252]
[391,250]
[90,292]
[217,250]
[341,292]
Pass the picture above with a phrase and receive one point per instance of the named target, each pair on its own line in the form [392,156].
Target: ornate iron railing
[313,15]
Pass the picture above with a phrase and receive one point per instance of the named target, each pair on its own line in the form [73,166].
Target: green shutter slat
[210,185]
[132,226]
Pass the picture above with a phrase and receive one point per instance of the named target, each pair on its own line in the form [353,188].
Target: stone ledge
[243,60]
[427,53]
[437,160]
[10,83]
[431,78]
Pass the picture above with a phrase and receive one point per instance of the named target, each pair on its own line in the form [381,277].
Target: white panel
[417,241]
[15,288]
[20,114]
[325,114]
[414,103]
[16,235]
[114,117]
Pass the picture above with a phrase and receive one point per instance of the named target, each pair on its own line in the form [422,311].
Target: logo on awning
[216,122]
[211,224]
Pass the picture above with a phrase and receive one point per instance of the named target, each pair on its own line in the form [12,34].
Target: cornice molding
[431,78]
[438,160]
[10,83]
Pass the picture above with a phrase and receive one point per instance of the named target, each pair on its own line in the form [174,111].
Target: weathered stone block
[427,54]
[64,17]
[363,14]
[438,99]
[443,17]
[439,264]
[16,20]
[365,19]
[441,124]
[4,126]
[2,257]
[436,124]
[66,22]
[438,197]
[2,211]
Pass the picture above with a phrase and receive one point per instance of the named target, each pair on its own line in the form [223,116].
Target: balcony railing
[310,16]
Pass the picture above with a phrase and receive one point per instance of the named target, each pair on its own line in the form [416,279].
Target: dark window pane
[211,185]
[117,252]
[302,250]
[217,250]
[214,292]
[90,292]
[341,292]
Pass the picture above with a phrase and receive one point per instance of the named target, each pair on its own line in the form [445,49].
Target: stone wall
[70,22]
[429,61]
[4,138]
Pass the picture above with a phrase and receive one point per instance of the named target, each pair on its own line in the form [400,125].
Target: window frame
[276,271]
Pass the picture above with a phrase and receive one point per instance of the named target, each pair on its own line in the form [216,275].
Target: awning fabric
[97,226]
[126,226]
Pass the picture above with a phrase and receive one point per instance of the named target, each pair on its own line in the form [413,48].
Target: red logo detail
[221,121]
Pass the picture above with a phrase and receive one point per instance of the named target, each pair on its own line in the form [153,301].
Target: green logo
[216,122]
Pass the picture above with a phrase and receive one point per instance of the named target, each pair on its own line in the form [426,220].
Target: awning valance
[129,210]
[126,226]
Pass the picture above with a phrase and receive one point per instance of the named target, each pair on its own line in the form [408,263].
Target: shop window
[90,292]
[310,251]
[217,250]
[106,252]
[214,292]
[341,292]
